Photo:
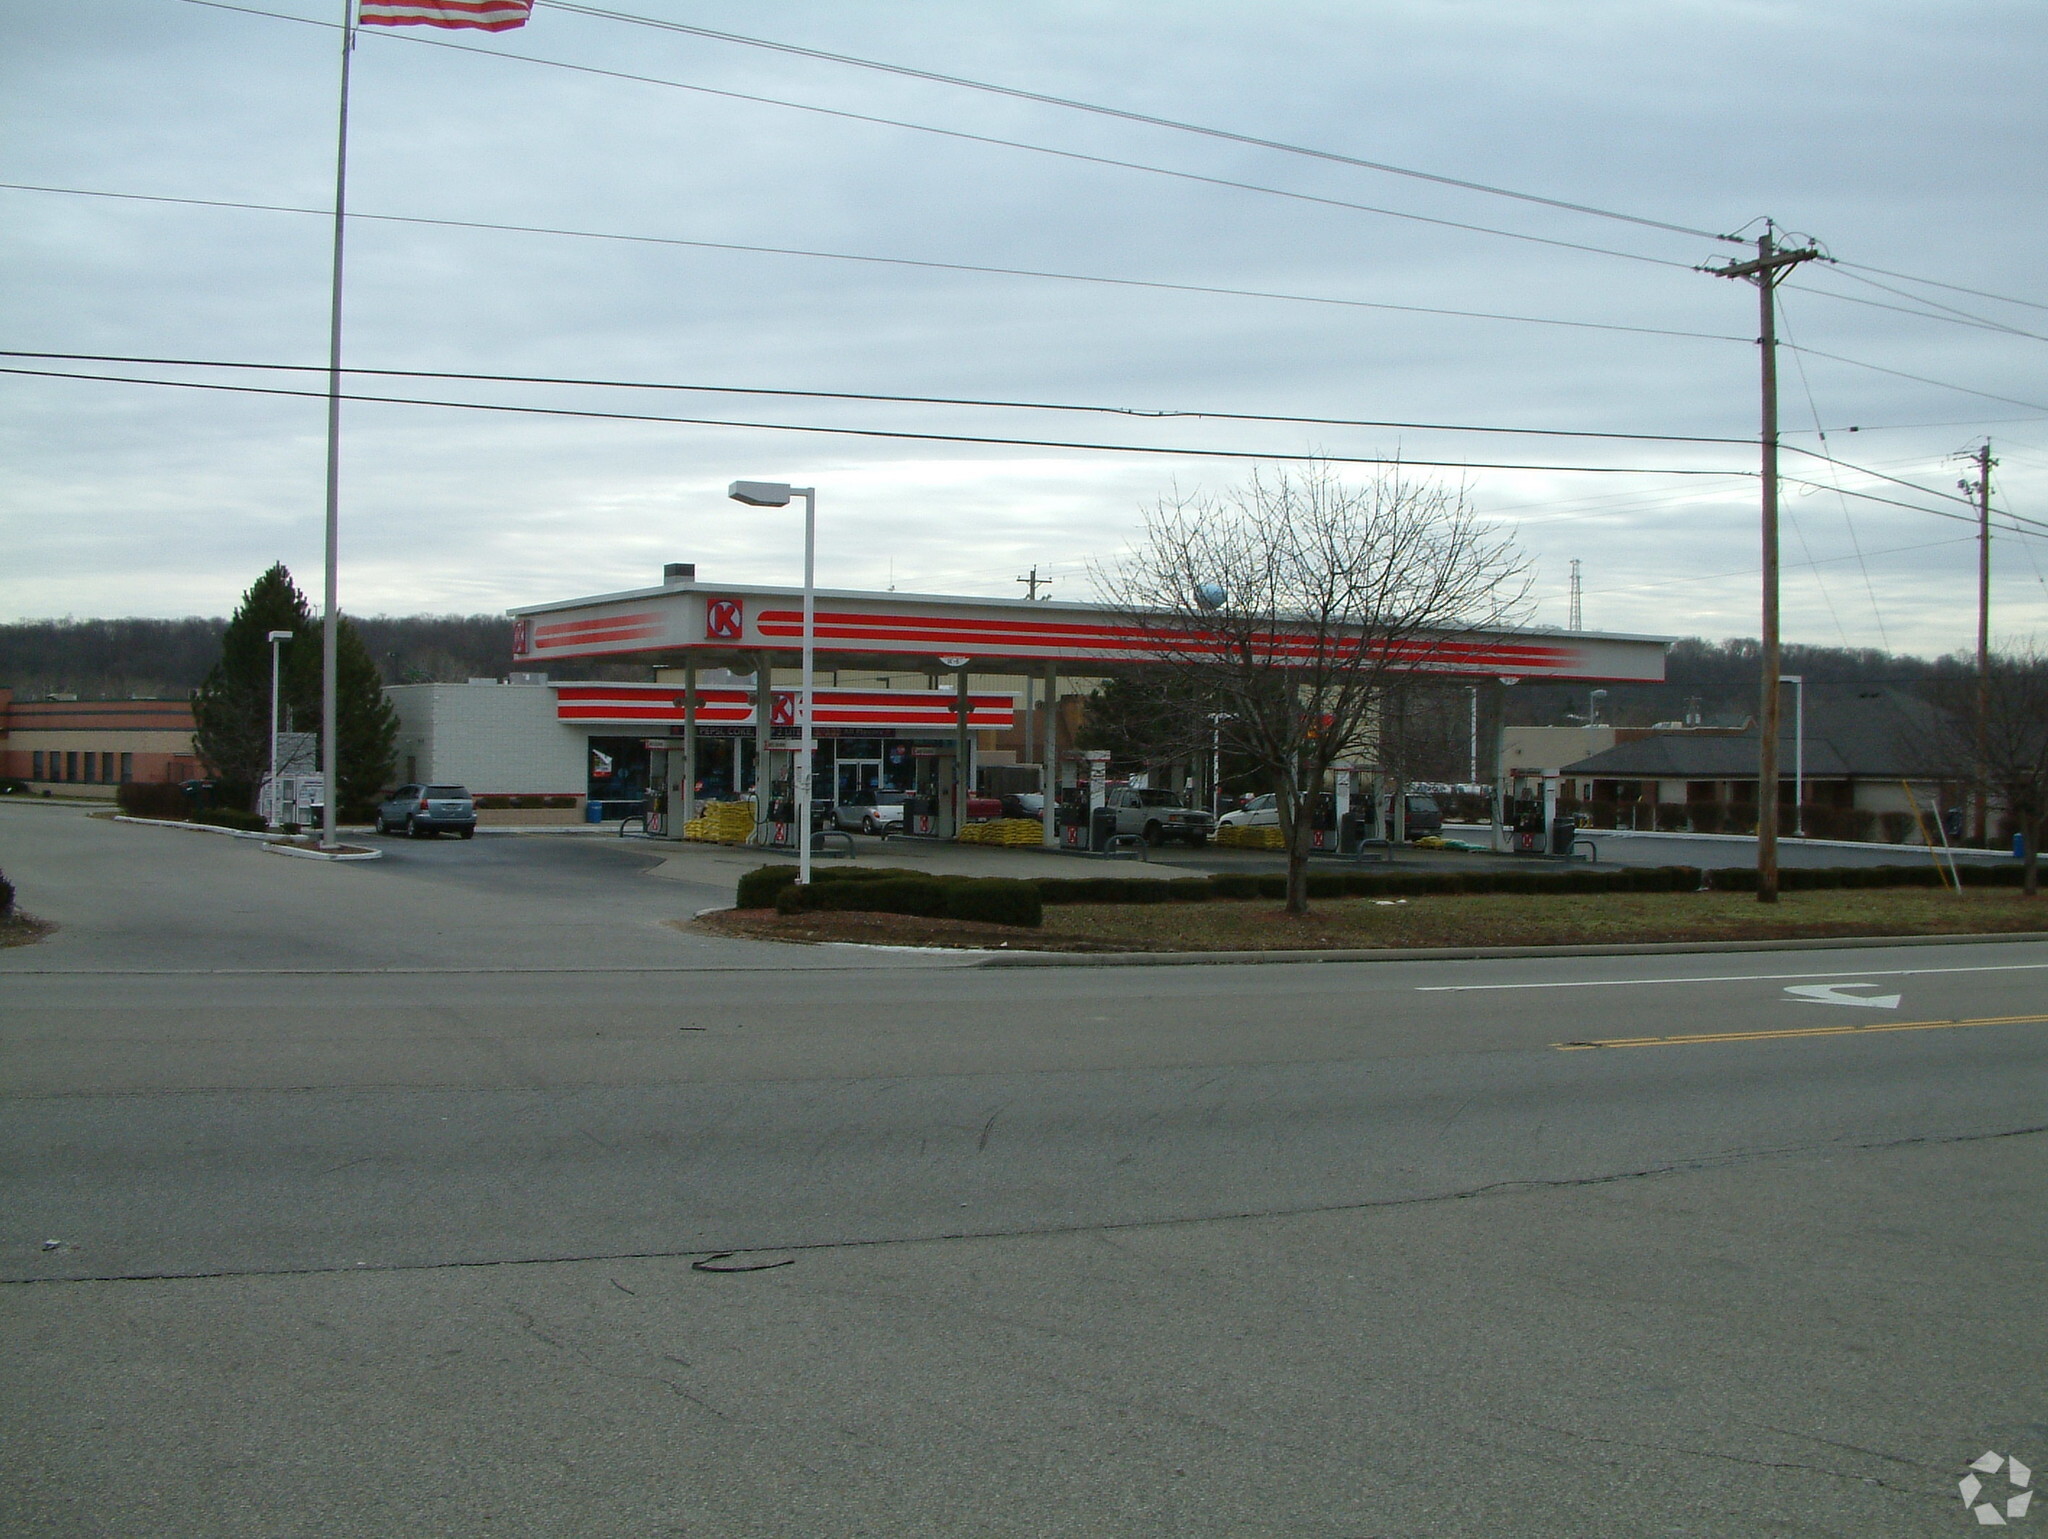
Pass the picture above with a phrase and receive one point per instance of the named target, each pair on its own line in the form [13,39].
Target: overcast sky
[1905,137]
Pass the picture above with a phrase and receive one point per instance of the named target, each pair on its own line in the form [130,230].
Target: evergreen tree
[231,708]
[365,724]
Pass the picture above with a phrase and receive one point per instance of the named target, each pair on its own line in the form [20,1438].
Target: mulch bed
[19,929]
[888,930]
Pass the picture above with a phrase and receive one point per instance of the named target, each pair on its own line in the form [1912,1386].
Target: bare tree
[2010,744]
[1296,603]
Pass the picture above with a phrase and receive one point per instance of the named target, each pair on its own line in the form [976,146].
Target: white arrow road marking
[1831,994]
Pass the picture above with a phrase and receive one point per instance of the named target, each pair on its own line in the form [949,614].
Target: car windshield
[448,793]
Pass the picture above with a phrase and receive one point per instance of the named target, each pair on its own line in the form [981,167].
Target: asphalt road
[1377,1249]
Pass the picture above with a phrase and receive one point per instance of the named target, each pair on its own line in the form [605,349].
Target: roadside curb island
[1467,953]
[267,839]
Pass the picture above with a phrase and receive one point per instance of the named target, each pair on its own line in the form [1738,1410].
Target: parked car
[1425,817]
[1259,812]
[870,810]
[980,809]
[1024,804]
[418,811]
[1157,816]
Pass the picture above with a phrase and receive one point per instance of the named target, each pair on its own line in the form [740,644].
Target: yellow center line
[1798,1031]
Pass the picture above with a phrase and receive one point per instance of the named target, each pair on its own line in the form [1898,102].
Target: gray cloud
[1906,136]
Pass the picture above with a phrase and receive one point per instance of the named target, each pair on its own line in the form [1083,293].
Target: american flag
[487,15]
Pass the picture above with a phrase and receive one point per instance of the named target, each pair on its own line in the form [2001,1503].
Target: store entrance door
[856,775]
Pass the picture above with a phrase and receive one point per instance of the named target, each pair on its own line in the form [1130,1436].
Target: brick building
[85,747]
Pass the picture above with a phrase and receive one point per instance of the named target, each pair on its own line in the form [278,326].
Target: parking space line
[1859,1030]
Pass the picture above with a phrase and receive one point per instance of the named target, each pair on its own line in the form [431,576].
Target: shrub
[997,900]
[152,799]
[1732,879]
[230,817]
[6,897]
[1895,826]
[556,803]
[991,900]
[759,887]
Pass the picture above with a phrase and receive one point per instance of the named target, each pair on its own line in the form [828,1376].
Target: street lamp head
[761,494]
[279,636]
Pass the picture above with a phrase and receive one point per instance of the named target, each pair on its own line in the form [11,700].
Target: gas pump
[659,797]
[928,814]
[1532,814]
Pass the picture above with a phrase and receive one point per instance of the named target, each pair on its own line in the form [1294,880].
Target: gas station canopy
[685,622]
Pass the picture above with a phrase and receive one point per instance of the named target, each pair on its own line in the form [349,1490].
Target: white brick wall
[496,739]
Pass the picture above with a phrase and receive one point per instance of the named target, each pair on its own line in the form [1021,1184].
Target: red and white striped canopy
[485,15]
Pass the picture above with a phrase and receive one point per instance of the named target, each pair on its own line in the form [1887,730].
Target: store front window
[618,769]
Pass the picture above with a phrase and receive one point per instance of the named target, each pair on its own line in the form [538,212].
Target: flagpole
[330,630]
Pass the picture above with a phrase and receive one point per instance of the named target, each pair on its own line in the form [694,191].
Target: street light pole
[1216,721]
[275,638]
[778,494]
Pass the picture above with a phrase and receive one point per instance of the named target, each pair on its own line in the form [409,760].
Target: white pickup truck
[1157,816]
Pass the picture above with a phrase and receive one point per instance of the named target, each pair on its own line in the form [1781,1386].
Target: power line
[885,261]
[1936,283]
[1940,313]
[1918,379]
[1146,118]
[969,438]
[848,432]
[1951,312]
[866,396]
[964,136]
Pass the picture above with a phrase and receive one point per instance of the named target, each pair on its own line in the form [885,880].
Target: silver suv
[420,810]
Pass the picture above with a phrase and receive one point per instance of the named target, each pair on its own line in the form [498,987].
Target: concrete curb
[292,849]
[1483,953]
[193,828]
[266,837]
[1783,839]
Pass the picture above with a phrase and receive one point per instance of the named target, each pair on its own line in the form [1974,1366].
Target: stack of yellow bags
[1012,833]
[722,823]
[1266,837]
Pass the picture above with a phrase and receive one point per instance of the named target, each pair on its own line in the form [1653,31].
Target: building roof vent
[679,574]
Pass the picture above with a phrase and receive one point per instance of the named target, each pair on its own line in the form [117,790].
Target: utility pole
[1034,582]
[1576,617]
[1766,271]
[1981,489]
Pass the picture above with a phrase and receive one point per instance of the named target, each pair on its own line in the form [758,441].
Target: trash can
[593,812]
[1101,828]
[1562,832]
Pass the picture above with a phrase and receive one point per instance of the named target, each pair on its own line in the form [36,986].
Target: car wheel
[1154,835]
[412,829]
[867,826]
[469,833]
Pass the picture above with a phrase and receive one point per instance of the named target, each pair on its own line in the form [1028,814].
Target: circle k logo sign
[724,620]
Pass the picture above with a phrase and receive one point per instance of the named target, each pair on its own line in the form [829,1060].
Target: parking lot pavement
[130,896]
